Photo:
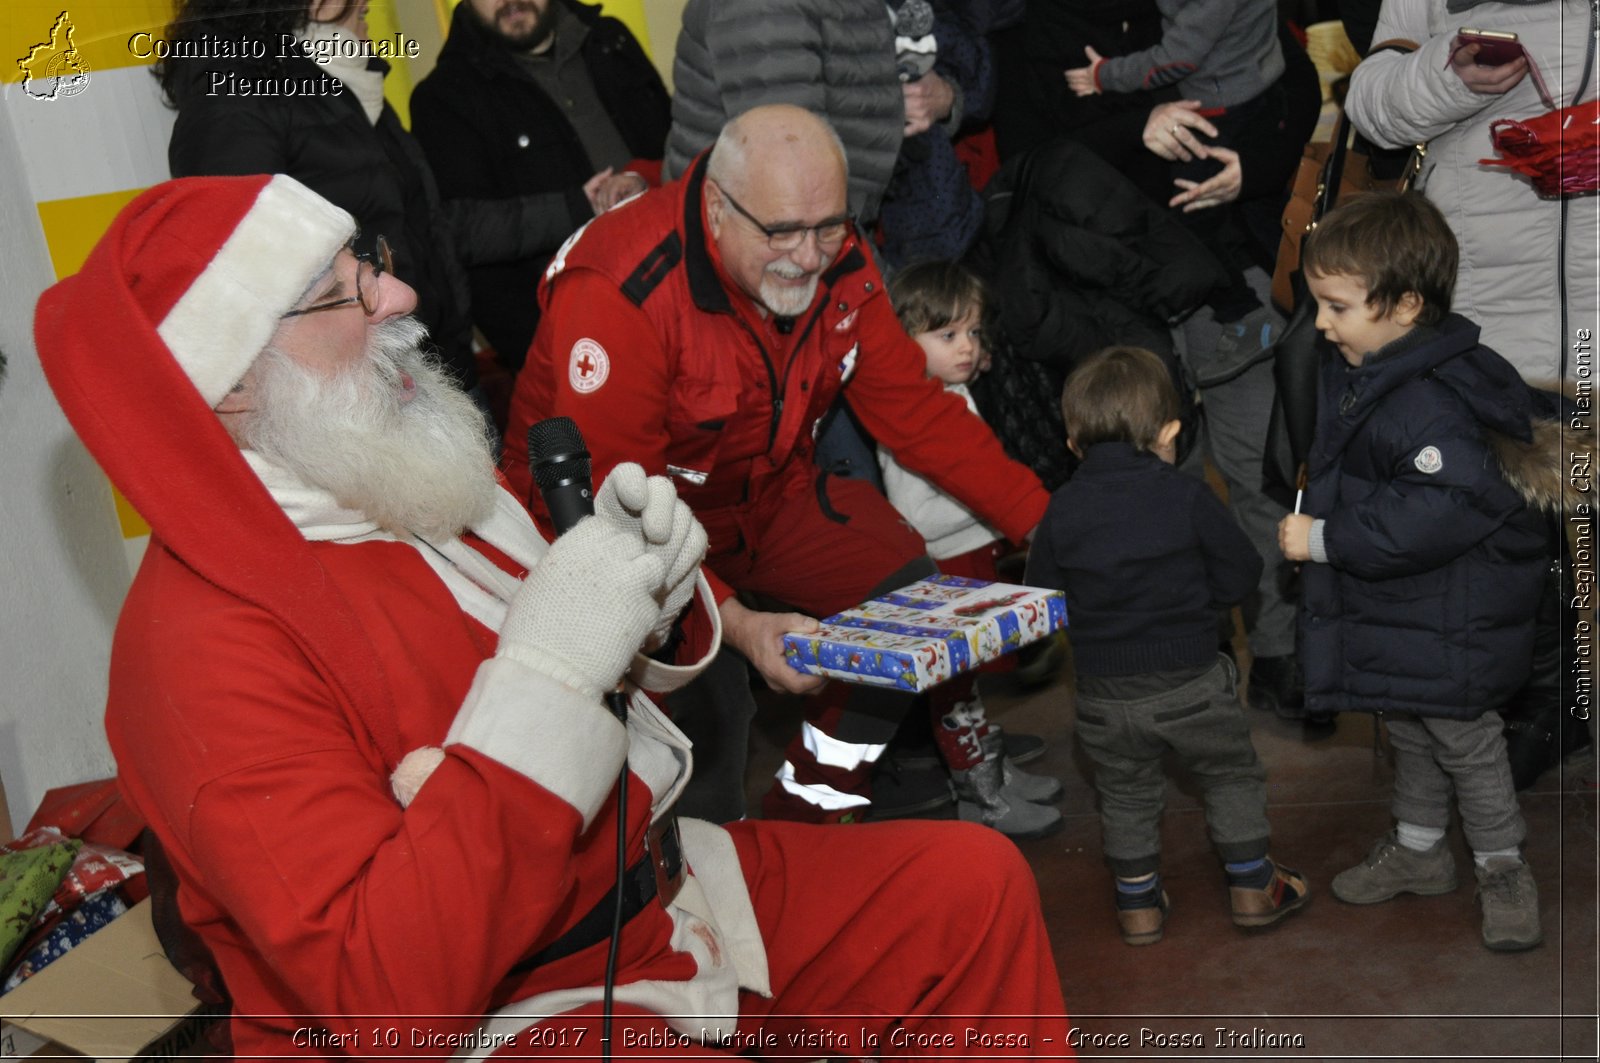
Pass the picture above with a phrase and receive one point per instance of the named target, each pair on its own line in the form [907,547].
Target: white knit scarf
[365,83]
[481,588]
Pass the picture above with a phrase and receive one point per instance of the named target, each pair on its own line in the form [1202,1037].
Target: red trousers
[884,940]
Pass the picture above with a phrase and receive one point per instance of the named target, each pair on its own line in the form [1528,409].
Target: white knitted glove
[649,506]
[586,607]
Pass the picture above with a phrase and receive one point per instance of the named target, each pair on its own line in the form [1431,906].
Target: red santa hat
[171,307]
[215,262]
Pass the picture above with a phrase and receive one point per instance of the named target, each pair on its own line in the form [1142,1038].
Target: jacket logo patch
[849,320]
[848,365]
[589,366]
[1429,460]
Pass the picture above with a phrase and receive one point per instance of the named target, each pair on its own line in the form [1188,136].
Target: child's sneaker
[1143,925]
[1040,789]
[1391,869]
[1510,903]
[983,798]
[1286,892]
[1141,913]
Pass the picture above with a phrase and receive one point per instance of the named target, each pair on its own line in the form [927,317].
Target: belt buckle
[664,846]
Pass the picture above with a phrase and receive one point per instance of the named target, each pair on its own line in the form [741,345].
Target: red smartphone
[1495,48]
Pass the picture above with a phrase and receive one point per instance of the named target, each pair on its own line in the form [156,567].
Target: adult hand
[928,100]
[759,636]
[1081,80]
[1215,190]
[586,608]
[1294,536]
[649,507]
[1486,80]
[617,187]
[591,189]
[1173,131]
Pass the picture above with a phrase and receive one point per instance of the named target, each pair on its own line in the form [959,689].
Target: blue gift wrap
[925,632]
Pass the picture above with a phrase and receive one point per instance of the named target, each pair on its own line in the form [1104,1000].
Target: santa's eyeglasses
[370,265]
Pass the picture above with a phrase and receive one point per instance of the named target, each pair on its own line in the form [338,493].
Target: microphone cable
[617,702]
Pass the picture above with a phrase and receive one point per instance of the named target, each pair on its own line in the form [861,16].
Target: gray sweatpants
[1433,756]
[1203,723]
[1237,416]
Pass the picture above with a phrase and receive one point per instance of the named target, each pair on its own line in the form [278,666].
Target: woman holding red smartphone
[1528,269]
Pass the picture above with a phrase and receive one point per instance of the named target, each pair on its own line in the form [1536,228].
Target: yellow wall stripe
[71,226]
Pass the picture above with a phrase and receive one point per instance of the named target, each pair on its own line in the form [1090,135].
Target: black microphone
[560,464]
[561,470]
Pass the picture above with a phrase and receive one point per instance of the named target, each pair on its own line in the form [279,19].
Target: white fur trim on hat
[230,311]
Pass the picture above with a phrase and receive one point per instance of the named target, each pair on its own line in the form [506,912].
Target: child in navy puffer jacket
[1426,561]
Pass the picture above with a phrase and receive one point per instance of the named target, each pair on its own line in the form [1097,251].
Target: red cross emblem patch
[589,366]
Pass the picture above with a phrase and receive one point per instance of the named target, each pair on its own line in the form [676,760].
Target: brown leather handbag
[1330,172]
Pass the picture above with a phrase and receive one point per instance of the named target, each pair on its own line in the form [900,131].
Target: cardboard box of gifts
[926,632]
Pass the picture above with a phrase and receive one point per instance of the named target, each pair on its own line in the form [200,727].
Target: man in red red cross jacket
[702,330]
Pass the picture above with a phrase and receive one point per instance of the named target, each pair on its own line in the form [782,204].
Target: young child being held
[940,304]
[1425,562]
[1149,558]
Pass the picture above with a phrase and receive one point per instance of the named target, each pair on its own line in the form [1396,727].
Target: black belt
[659,874]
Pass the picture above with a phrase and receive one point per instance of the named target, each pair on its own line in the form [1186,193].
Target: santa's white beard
[424,465]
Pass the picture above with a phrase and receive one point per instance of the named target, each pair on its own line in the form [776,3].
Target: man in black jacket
[533,121]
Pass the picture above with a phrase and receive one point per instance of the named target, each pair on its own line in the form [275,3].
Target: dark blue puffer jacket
[1434,565]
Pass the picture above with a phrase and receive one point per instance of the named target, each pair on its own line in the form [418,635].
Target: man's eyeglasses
[370,266]
[829,233]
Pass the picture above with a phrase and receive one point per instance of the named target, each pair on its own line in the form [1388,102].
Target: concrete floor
[1403,980]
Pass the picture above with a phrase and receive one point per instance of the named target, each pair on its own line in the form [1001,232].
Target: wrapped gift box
[926,632]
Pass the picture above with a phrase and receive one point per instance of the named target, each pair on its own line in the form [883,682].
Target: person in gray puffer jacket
[835,58]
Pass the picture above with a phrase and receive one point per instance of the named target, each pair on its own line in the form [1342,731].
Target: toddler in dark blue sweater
[1149,559]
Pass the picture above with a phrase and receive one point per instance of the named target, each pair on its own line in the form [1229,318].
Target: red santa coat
[647,344]
[300,869]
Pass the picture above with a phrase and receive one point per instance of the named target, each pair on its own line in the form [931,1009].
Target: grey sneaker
[1242,344]
[1040,789]
[1510,903]
[983,798]
[1391,869]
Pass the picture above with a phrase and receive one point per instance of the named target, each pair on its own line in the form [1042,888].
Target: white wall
[63,568]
